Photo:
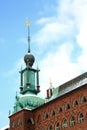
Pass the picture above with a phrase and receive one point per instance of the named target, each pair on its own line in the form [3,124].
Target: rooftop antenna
[28,25]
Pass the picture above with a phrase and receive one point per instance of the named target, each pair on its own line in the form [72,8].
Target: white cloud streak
[70,21]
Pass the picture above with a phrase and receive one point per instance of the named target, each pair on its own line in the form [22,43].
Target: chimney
[49,93]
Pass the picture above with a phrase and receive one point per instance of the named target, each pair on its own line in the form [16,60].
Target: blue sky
[58,42]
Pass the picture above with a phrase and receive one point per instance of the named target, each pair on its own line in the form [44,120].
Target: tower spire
[28,25]
[29,58]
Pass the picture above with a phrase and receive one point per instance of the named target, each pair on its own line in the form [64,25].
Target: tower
[22,116]
[28,75]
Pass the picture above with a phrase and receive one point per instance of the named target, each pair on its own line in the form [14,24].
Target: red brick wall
[24,115]
[38,114]
[58,117]
[15,118]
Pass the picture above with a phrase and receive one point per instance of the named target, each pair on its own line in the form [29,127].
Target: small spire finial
[50,83]
[28,25]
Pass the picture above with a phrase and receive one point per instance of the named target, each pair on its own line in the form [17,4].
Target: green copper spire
[29,83]
[29,76]
[29,58]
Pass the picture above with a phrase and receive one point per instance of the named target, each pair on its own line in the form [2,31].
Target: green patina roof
[27,101]
[69,86]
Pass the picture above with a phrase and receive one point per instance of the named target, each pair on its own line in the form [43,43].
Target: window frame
[59,109]
[52,113]
[64,123]
[83,99]
[72,121]
[67,106]
[50,127]
[75,103]
[57,126]
[80,118]
[46,115]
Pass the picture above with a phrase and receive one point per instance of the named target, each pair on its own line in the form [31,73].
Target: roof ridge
[73,81]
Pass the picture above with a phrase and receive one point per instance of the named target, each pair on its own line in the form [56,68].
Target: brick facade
[70,108]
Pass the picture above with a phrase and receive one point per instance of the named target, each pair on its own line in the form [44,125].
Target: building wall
[22,120]
[46,116]
[54,116]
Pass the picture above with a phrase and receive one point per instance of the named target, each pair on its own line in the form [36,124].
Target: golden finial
[50,83]
[27,23]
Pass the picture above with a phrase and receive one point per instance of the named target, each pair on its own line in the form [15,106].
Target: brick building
[64,108]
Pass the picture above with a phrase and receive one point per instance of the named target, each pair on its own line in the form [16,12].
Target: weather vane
[28,25]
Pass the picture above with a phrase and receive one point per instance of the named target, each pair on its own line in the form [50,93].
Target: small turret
[29,83]
[49,91]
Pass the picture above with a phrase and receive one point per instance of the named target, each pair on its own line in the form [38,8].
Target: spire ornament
[28,25]
[29,58]
[50,83]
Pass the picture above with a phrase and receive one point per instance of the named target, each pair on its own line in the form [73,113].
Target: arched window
[64,123]
[19,122]
[45,116]
[67,106]
[30,121]
[75,103]
[59,109]
[80,118]
[52,112]
[14,124]
[50,127]
[83,99]
[57,127]
[72,121]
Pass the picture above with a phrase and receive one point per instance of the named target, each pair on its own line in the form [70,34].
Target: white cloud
[82,41]
[58,67]
[81,17]
[82,36]
[69,21]
[52,32]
